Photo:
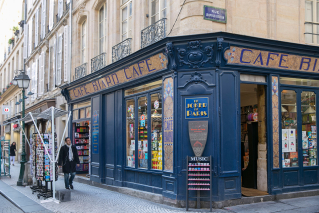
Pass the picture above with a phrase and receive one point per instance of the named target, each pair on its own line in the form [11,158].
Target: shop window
[82,113]
[158,10]
[309,129]
[299,82]
[130,133]
[143,88]
[83,104]
[312,21]
[289,128]
[126,19]
[156,131]
[142,133]
[75,114]
[88,112]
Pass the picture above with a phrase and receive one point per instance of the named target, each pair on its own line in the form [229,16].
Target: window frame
[159,12]
[127,5]
[314,22]
[135,97]
[103,38]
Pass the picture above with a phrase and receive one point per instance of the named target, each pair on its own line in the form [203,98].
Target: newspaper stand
[5,158]
[199,178]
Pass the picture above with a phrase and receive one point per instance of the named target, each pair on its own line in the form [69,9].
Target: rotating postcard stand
[48,114]
[199,168]
[5,158]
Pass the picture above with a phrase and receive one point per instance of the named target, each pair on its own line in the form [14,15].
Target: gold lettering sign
[258,58]
[142,68]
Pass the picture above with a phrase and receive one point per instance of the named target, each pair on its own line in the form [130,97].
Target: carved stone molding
[196,78]
[195,55]
[169,52]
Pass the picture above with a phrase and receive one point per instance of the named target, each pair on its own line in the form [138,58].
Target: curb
[20,200]
[158,198]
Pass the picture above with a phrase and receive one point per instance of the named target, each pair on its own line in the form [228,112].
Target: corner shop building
[140,109]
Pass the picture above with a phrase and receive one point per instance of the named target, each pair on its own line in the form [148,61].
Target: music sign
[215,14]
[6,110]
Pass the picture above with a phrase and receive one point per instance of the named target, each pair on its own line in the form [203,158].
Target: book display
[198,178]
[82,143]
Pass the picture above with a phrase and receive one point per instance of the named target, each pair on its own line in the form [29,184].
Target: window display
[142,133]
[130,133]
[289,129]
[156,131]
[82,143]
[309,128]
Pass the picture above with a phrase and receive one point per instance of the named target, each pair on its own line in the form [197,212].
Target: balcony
[98,62]
[80,71]
[67,6]
[153,33]
[121,50]
[57,18]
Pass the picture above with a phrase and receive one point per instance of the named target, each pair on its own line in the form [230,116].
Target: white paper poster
[292,135]
[285,134]
[139,144]
[145,149]
[285,145]
[292,145]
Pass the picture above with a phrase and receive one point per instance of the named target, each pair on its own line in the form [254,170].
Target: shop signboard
[6,110]
[275,60]
[95,132]
[215,14]
[197,131]
[196,107]
[140,69]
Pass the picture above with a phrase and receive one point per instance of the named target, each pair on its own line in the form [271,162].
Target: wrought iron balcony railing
[153,33]
[57,18]
[80,71]
[67,6]
[121,50]
[98,62]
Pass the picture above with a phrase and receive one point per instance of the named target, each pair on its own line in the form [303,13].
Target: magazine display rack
[5,158]
[82,143]
[199,178]
[42,167]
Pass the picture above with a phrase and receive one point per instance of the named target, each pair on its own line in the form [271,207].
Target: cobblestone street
[86,198]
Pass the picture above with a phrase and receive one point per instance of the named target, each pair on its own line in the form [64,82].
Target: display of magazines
[82,143]
[42,167]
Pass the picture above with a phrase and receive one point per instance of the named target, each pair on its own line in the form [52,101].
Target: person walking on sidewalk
[13,150]
[68,158]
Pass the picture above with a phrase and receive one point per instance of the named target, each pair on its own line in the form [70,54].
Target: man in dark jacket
[68,158]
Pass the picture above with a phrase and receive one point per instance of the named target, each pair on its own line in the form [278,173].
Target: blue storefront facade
[147,98]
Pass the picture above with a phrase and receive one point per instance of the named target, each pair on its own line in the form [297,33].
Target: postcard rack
[5,158]
[199,178]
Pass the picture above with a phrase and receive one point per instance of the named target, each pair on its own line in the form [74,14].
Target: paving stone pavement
[87,198]
[7,207]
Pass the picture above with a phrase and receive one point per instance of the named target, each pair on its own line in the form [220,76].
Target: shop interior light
[283,109]
[310,110]
[294,109]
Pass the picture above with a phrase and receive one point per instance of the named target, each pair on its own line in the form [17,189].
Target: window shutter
[53,65]
[66,54]
[30,39]
[25,45]
[33,80]
[40,74]
[49,69]
[43,73]
[43,18]
[36,79]
[36,27]
[51,14]
[28,90]
[59,76]
[60,8]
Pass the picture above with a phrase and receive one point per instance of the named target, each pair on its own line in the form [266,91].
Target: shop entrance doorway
[253,140]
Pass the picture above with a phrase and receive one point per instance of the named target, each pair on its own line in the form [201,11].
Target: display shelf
[199,189]
[198,184]
[200,166]
[198,175]
[199,179]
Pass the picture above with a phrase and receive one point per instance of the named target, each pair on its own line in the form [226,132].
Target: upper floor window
[83,42]
[158,10]
[312,21]
[102,23]
[126,19]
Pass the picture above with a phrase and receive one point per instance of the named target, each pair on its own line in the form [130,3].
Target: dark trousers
[68,179]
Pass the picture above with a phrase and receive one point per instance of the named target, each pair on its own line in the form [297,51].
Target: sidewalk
[86,198]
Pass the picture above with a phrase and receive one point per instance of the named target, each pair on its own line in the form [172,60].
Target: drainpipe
[70,40]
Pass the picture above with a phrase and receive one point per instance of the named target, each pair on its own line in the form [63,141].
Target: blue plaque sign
[95,132]
[215,14]
[196,107]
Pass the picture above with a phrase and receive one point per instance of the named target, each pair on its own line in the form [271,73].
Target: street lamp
[23,81]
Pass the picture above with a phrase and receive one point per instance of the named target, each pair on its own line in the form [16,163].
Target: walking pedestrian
[68,158]
[13,150]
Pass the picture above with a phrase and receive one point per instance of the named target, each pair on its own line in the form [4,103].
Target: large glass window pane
[88,112]
[75,114]
[156,131]
[289,129]
[143,87]
[142,133]
[130,133]
[309,128]
[299,82]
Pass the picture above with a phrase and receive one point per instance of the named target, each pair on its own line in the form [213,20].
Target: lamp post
[23,81]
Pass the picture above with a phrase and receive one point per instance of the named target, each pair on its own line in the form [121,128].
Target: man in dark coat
[68,158]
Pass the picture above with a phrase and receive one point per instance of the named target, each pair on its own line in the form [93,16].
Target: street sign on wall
[6,110]
[215,14]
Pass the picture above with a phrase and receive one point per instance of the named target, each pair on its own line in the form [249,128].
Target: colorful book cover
[310,144]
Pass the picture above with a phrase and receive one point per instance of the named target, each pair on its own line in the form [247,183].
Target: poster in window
[285,134]
[285,145]
[292,145]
